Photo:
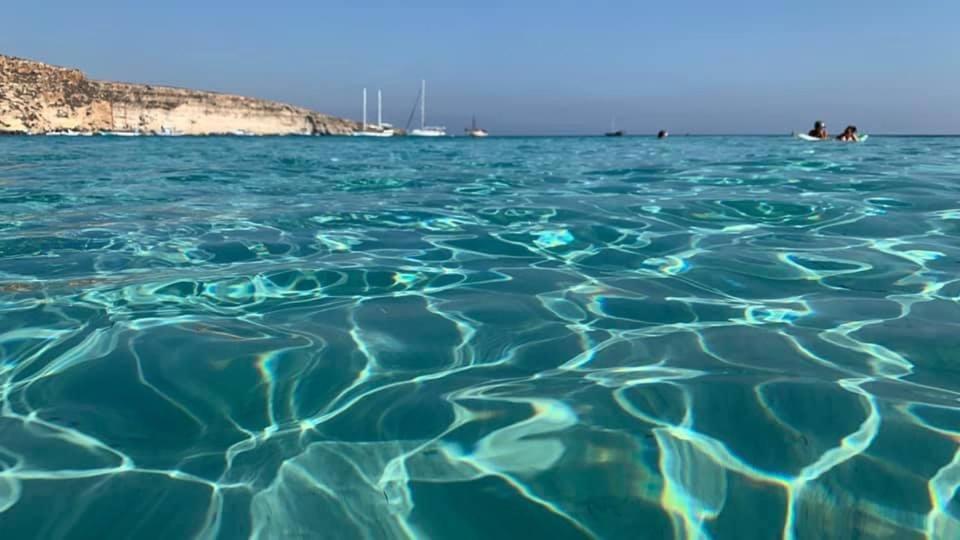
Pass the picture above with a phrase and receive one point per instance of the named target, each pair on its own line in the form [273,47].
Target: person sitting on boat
[849,134]
[819,130]
[663,134]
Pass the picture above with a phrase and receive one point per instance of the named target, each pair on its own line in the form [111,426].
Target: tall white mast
[364,109]
[379,109]
[423,104]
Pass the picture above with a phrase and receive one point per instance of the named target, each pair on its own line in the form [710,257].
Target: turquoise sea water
[560,338]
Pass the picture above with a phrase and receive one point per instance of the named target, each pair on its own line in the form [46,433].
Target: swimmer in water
[849,134]
[819,130]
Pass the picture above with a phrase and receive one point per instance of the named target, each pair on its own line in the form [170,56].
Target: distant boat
[614,132]
[121,133]
[169,132]
[425,130]
[474,131]
[379,130]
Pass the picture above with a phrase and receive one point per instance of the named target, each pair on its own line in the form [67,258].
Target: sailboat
[425,130]
[378,130]
[474,131]
[614,132]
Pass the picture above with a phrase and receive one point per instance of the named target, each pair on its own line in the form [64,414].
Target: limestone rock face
[40,98]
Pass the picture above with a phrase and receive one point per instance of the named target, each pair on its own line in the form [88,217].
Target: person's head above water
[819,130]
[849,134]
[662,134]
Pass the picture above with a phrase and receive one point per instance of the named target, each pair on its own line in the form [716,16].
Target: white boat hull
[428,133]
[385,133]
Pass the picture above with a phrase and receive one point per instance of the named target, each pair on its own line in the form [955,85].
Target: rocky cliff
[40,98]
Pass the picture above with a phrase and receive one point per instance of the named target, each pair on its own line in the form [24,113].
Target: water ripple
[586,338]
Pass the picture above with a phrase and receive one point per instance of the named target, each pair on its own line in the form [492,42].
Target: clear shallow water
[538,338]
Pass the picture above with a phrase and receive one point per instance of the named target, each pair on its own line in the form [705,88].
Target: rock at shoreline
[40,98]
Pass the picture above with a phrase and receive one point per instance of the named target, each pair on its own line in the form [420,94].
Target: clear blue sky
[536,66]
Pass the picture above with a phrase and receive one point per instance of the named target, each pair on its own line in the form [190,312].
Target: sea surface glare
[559,338]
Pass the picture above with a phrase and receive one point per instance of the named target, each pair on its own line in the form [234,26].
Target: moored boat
[614,132]
[379,129]
[474,131]
[169,132]
[424,130]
